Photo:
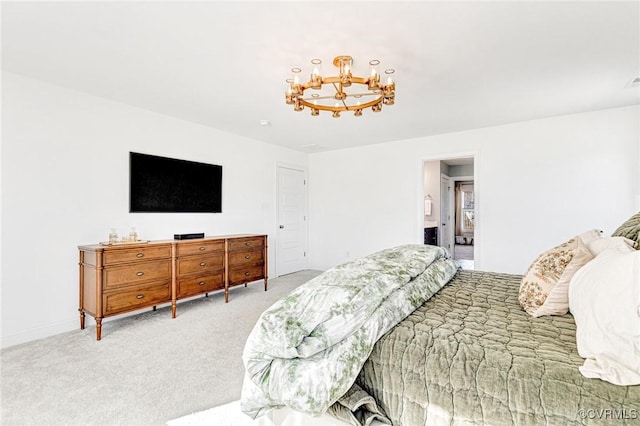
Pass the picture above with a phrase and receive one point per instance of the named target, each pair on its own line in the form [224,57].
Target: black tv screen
[169,185]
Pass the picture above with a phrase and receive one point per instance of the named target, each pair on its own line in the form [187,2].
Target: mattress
[471,355]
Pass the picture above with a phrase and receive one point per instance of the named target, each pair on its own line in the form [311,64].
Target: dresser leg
[81,319]
[98,328]
[265,283]
[226,295]
[154,308]
[173,309]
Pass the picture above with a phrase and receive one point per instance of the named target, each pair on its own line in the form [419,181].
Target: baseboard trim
[37,333]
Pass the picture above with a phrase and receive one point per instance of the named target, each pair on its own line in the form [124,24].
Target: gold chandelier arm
[339,92]
[347,95]
[336,79]
[341,108]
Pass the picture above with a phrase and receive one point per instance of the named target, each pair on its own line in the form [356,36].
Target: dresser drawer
[246,243]
[192,286]
[246,274]
[200,247]
[246,256]
[112,257]
[116,276]
[194,264]
[150,295]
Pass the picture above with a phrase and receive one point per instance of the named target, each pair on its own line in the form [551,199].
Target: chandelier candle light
[340,100]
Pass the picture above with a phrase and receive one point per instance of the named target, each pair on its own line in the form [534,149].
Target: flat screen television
[168,185]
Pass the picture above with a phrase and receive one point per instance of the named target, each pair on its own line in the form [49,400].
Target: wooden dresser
[246,260]
[199,268]
[115,279]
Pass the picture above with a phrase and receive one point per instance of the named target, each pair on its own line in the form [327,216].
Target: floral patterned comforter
[306,350]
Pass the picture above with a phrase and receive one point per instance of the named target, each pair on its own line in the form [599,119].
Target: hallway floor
[464,255]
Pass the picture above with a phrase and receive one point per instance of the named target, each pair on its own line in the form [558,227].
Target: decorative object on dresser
[188,236]
[115,279]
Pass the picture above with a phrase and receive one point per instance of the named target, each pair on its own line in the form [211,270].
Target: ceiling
[458,65]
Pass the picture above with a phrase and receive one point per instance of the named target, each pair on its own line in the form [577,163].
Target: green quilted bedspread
[307,349]
[471,355]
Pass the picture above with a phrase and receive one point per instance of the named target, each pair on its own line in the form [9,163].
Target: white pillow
[604,298]
[621,244]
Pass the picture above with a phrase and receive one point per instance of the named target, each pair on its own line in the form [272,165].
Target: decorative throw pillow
[545,287]
[630,229]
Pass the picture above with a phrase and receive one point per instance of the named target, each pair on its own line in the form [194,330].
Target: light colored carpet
[231,415]
[146,370]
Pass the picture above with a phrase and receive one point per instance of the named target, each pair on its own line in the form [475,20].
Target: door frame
[454,180]
[303,169]
[477,164]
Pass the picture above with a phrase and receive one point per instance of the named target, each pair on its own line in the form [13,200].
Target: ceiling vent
[634,83]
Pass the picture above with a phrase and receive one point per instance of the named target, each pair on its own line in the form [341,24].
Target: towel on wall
[427,206]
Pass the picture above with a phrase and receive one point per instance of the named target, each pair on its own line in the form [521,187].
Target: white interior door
[446,216]
[291,255]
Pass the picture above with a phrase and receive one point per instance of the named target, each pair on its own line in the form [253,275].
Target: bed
[472,355]
[405,337]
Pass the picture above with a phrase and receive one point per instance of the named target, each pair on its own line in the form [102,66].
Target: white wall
[538,183]
[65,182]
[432,189]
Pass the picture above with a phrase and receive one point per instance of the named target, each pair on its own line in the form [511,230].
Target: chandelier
[369,91]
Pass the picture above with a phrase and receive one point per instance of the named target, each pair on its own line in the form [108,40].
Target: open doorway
[449,207]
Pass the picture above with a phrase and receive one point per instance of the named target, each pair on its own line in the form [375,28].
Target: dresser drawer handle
[247,244]
[203,264]
[201,283]
[247,257]
[140,273]
[140,255]
[246,273]
[202,248]
[140,296]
